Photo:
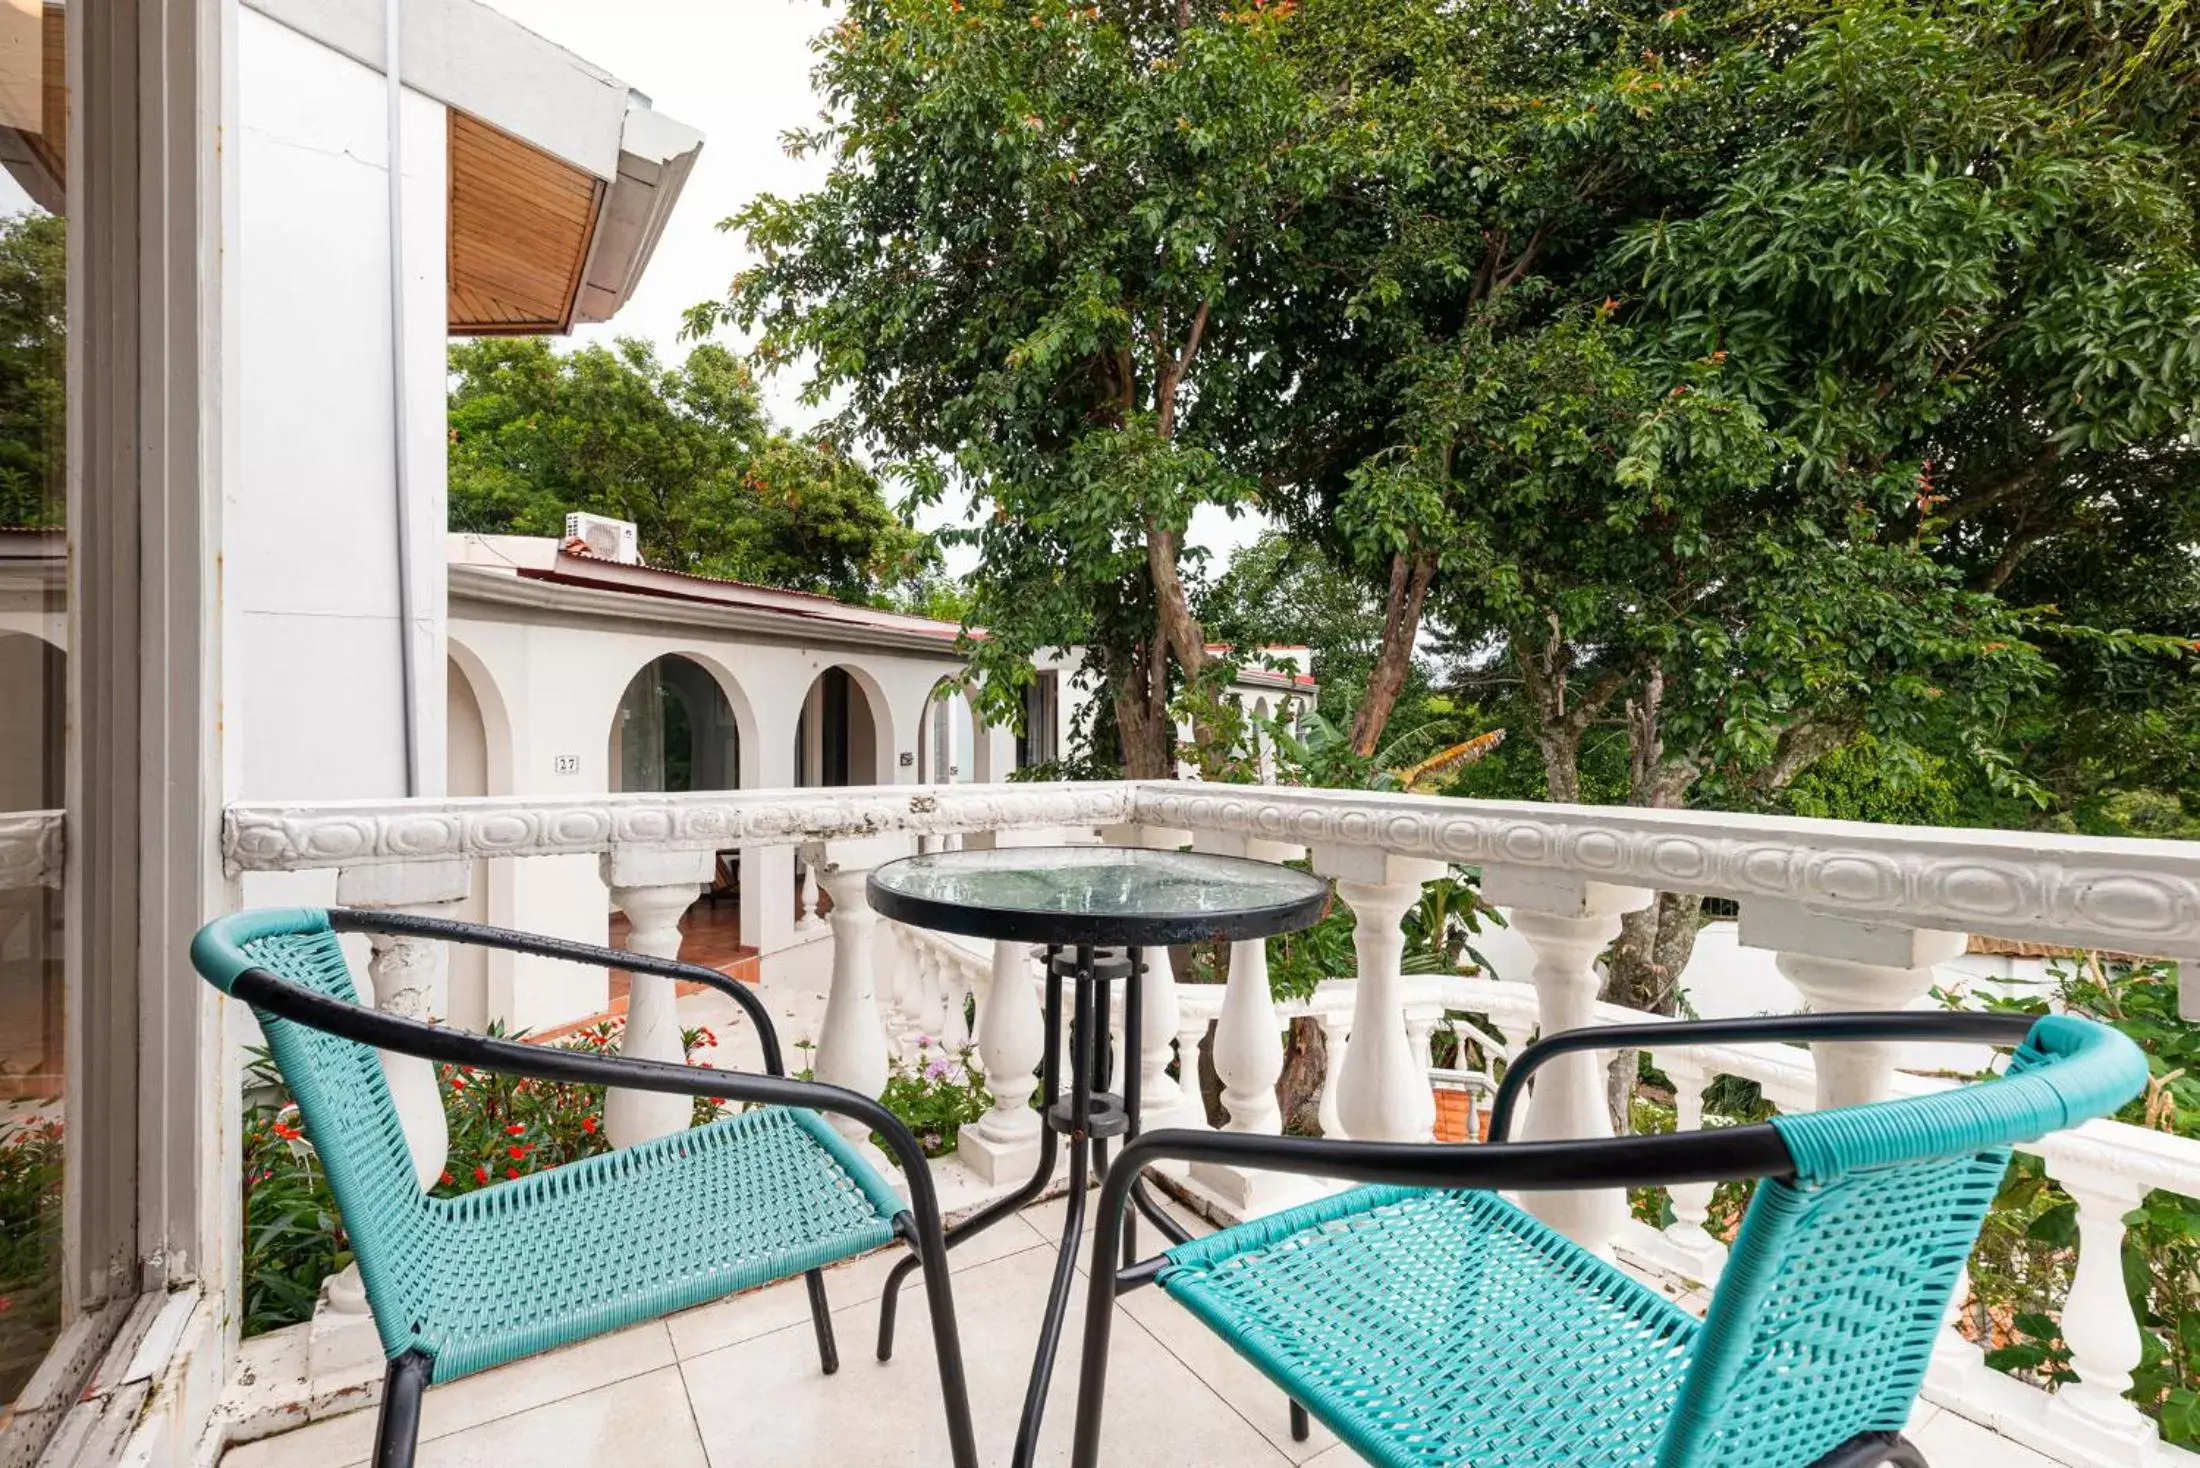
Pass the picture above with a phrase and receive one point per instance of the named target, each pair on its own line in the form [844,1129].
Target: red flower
[511,1172]
[588,1124]
[514,1129]
[446,1177]
[716,1100]
[516,1153]
[457,1084]
[481,1174]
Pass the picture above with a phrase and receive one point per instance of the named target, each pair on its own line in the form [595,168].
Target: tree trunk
[1306,1061]
[1409,582]
[1653,946]
[1210,1081]
[1178,632]
[1138,684]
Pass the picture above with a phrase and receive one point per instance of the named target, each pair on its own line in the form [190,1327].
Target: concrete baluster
[407,976]
[1839,965]
[805,906]
[1003,1145]
[852,1045]
[1161,1102]
[2092,1412]
[1567,920]
[654,888]
[1248,1049]
[955,1025]
[1699,1254]
[1382,1091]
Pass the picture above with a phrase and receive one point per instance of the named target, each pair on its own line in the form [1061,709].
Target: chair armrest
[363,920]
[267,991]
[1664,1158]
[1950,1027]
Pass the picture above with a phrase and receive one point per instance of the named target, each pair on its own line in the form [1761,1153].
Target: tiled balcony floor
[736,1385]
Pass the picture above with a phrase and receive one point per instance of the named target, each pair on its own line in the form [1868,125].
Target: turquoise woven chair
[1429,1322]
[459,1285]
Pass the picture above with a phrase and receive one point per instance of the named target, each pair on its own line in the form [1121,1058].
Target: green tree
[33,360]
[686,453]
[1282,591]
[1045,256]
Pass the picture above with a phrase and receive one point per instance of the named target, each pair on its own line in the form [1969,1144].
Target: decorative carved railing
[1857,917]
[30,849]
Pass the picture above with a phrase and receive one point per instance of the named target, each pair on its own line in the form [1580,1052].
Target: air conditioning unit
[606,539]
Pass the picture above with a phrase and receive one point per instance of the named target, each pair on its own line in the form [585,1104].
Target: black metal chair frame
[1726,1154]
[919,1226]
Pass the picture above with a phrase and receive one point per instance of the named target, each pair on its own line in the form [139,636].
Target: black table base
[1088,1116]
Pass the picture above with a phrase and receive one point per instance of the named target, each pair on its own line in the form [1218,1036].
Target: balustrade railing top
[30,849]
[2127,894]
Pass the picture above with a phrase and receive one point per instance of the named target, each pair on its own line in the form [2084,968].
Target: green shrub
[30,1248]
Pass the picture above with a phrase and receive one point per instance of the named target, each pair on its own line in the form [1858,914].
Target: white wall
[310,557]
[560,675]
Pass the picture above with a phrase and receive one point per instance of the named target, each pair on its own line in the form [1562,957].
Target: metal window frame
[149,426]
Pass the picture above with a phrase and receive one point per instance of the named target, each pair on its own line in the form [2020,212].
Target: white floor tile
[1949,1441]
[644,1419]
[523,1386]
[744,1317]
[762,1404]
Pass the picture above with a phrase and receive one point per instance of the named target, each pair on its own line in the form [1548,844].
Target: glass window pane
[33,664]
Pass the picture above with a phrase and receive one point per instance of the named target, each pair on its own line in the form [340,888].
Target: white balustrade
[1694,1252]
[406,975]
[2097,1323]
[1003,1145]
[852,1046]
[806,919]
[1856,917]
[1568,921]
[654,888]
[1382,1089]
[1842,966]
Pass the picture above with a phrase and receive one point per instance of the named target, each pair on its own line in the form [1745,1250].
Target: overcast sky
[737,70]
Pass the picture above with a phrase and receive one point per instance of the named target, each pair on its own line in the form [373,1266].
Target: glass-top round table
[1098,895]
[1097,911]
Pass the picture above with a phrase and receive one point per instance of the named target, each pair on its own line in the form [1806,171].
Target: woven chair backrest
[342,1096]
[1835,1290]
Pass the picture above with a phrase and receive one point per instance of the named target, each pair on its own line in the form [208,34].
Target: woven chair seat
[625,1237]
[1444,1328]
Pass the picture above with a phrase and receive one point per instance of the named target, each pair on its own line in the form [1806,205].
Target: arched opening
[675,730]
[477,761]
[845,735]
[948,750]
[678,728]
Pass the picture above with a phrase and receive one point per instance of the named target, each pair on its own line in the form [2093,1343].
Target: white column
[1840,965]
[1382,1094]
[852,1041]
[406,975]
[654,888]
[1568,921]
[2097,1324]
[1003,1145]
